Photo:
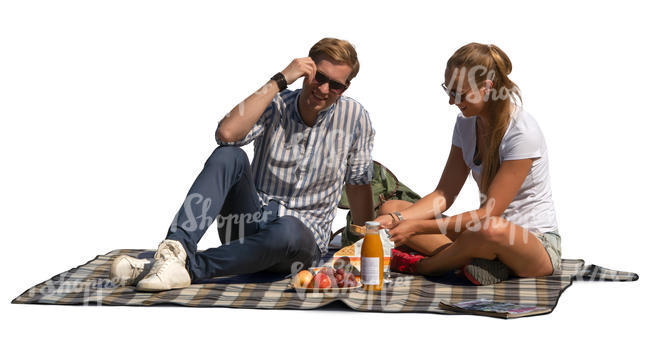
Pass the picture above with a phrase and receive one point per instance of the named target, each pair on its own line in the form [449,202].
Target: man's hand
[298,68]
[241,119]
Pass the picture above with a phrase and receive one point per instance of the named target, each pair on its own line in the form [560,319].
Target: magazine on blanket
[488,307]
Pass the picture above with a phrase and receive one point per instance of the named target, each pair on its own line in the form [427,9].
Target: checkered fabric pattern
[89,284]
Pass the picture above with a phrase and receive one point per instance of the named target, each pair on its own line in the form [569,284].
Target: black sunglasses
[455,95]
[335,86]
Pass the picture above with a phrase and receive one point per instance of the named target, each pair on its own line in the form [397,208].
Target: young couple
[275,213]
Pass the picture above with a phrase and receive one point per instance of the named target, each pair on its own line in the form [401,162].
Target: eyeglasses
[453,94]
[335,86]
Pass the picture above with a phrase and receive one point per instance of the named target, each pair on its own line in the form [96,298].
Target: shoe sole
[156,289]
[482,272]
[153,287]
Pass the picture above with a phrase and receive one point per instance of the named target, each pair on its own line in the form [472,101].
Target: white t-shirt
[532,208]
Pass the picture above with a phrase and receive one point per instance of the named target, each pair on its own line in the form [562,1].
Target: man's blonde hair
[338,50]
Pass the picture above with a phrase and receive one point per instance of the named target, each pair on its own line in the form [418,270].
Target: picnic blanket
[89,284]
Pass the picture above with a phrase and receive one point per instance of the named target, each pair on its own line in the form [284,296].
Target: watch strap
[280,80]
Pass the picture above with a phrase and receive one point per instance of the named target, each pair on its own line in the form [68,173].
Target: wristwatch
[280,80]
[398,215]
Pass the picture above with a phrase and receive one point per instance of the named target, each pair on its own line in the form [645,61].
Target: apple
[302,279]
[321,281]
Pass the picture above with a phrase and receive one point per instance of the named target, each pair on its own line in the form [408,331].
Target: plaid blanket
[89,284]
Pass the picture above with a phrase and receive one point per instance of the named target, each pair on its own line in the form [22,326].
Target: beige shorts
[552,243]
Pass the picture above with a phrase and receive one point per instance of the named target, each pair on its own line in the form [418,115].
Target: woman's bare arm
[502,191]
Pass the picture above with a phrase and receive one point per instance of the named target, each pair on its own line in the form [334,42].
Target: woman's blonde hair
[488,62]
[340,51]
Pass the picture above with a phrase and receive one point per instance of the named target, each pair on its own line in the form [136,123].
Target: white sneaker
[168,270]
[127,270]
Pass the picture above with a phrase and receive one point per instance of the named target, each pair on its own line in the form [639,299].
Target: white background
[109,110]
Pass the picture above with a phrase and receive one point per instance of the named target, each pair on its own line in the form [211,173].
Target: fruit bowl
[337,279]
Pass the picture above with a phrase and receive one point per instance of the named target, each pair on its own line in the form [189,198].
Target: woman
[514,230]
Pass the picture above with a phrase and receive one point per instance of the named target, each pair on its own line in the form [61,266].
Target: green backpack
[385,186]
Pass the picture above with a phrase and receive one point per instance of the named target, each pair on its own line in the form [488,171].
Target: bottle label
[370,270]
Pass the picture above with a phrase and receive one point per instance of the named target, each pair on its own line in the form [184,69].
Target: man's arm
[361,207]
[360,170]
[241,119]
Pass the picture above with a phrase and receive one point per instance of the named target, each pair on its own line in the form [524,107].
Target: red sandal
[405,262]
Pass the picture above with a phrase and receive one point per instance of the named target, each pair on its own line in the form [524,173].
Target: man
[275,214]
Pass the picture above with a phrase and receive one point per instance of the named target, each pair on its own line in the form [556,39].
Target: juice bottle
[372,259]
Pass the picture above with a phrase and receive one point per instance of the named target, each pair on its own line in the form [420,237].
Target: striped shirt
[304,168]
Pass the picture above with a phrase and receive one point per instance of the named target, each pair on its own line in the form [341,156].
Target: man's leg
[279,245]
[224,184]
[223,192]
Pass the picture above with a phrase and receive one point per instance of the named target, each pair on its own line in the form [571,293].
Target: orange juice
[372,259]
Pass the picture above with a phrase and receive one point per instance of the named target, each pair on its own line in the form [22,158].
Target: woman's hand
[402,231]
[386,221]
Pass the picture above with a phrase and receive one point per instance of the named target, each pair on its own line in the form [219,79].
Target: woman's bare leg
[513,245]
[428,244]
[393,206]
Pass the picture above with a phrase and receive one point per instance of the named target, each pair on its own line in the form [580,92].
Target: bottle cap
[372,224]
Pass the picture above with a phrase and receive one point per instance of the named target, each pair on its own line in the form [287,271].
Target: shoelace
[159,266]
[137,267]
[163,258]
[167,252]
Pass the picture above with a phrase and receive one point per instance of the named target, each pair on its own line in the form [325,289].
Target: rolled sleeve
[257,129]
[360,167]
